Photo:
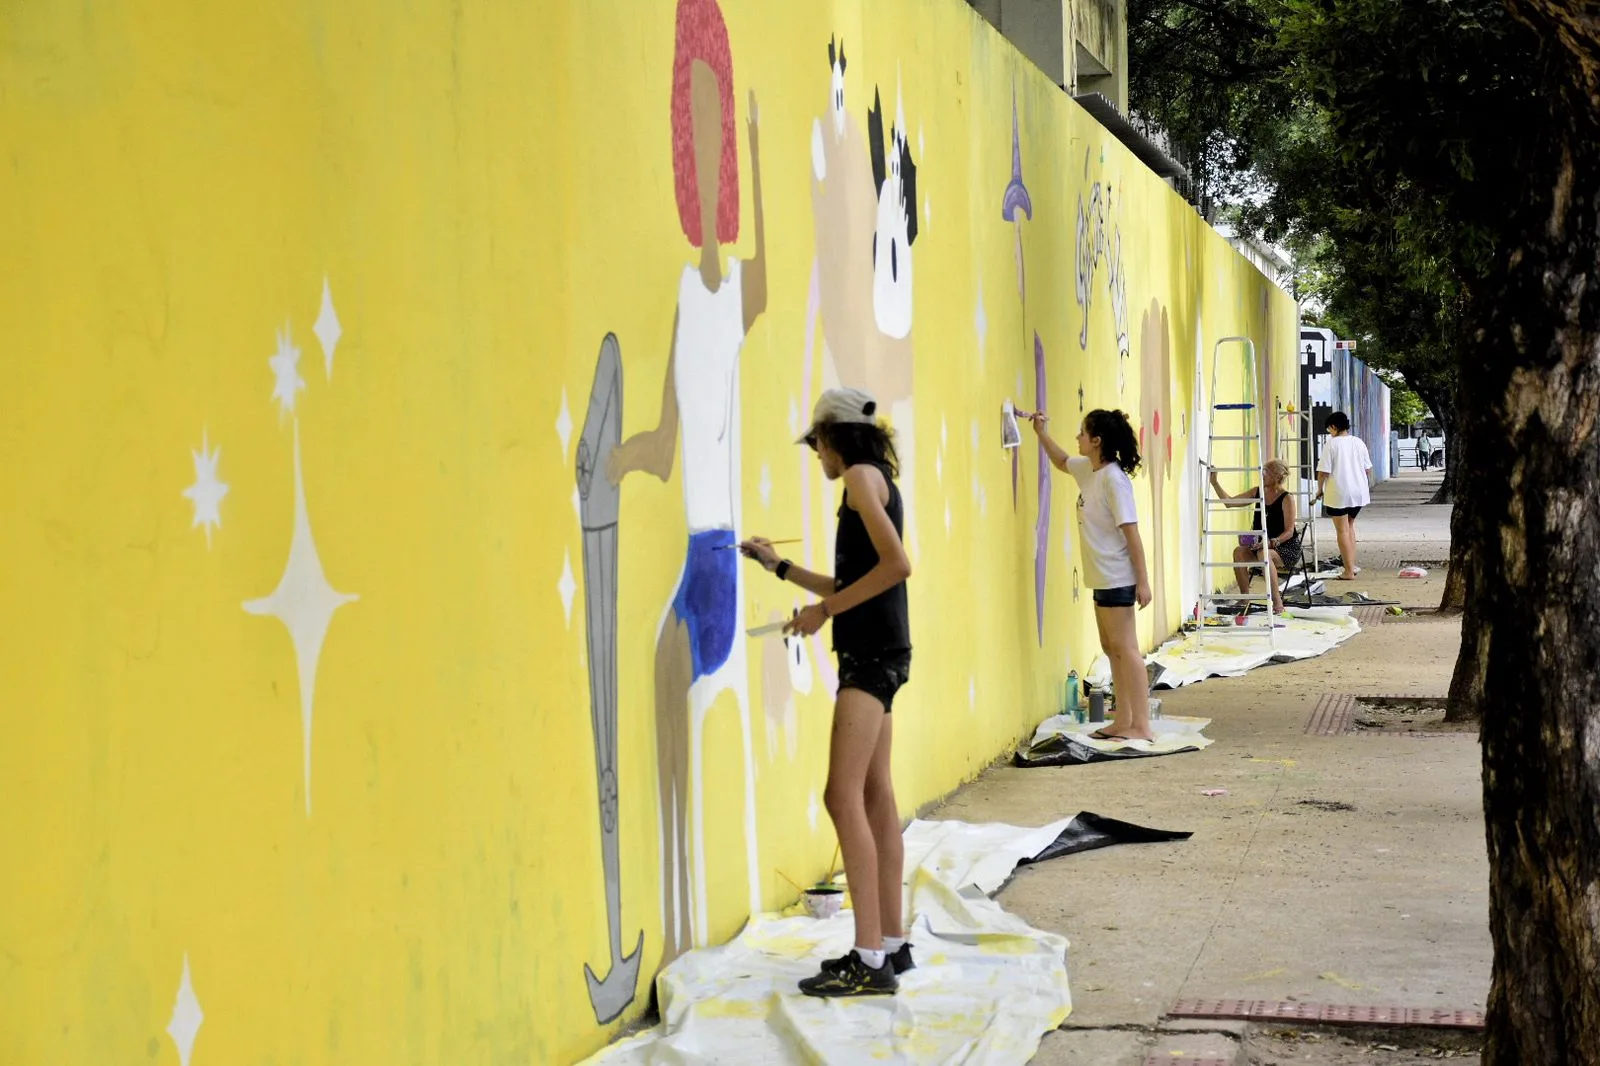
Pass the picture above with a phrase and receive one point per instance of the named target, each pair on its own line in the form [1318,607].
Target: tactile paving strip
[1333,715]
[1263,1010]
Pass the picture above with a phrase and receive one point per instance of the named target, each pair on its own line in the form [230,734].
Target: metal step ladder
[1240,431]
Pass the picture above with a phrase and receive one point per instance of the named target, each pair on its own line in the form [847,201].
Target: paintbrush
[725,547]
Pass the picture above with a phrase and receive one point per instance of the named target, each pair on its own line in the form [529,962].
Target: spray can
[1097,705]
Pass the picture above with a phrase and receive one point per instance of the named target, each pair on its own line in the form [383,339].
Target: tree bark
[1530,402]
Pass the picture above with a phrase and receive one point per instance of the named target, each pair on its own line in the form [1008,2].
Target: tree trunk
[1529,404]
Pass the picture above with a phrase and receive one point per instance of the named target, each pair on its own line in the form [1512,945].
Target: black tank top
[882,624]
[1274,515]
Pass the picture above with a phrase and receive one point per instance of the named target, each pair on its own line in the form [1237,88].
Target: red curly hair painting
[703,35]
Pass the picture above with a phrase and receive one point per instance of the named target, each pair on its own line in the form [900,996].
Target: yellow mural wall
[314,750]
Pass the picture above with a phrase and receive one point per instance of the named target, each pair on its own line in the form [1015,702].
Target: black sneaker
[850,976]
[899,958]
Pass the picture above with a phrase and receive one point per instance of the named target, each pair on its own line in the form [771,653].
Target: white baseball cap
[842,405]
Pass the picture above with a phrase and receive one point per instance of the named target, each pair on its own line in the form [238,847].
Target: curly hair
[1118,442]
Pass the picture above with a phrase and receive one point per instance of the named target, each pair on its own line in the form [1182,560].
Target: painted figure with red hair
[698,653]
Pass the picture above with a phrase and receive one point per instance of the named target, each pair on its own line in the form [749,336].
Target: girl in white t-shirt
[1113,556]
[1343,474]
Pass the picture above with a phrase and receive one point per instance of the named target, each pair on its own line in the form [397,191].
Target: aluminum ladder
[1243,441]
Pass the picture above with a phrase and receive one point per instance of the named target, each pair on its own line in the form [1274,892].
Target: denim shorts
[1117,597]
[879,675]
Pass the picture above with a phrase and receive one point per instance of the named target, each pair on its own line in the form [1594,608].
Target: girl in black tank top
[866,599]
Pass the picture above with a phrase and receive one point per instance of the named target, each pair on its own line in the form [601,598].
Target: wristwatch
[782,569]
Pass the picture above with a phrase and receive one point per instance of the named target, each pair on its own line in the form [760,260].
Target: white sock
[874,959]
[892,944]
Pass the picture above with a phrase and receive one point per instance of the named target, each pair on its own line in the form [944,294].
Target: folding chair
[1304,568]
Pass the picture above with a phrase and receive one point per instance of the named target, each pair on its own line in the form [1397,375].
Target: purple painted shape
[1041,543]
[1016,198]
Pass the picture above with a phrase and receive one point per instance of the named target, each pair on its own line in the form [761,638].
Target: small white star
[972,694]
[927,208]
[564,425]
[944,433]
[811,810]
[938,466]
[567,586]
[286,380]
[304,602]
[794,417]
[947,519]
[766,485]
[186,1017]
[980,321]
[327,328]
[207,492]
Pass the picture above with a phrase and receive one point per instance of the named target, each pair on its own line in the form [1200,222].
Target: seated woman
[1283,540]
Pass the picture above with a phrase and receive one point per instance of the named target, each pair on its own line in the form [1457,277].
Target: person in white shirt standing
[1113,556]
[1344,485]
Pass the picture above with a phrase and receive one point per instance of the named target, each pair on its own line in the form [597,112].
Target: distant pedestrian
[1344,475]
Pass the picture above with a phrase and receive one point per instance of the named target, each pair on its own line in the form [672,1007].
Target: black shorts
[1340,512]
[1117,597]
[878,674]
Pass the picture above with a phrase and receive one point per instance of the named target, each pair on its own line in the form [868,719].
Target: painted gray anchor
[599,501]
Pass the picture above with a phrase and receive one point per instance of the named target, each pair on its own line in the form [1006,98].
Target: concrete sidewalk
[1339,869]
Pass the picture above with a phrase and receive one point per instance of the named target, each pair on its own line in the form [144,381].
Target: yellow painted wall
[487,190]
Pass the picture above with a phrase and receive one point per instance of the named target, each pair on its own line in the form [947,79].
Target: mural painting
[1155,444]
[1099,240]
[699,654]
[599,504]
[1015,205]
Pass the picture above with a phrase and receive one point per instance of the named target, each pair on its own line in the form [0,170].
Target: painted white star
[564,425]
[327,328]
[186,1017]
[938,466]
[766,485]
[794,417]
[567,586]
[972,694]
[304,602]
[811,810]
[207,492]
[927,208]
[286,380]
[944,433]
[980,321]
[947,519]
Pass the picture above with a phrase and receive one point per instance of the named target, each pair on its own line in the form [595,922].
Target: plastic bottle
[1074,694]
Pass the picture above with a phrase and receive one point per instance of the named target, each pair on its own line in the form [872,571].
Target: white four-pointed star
[980,322]
[304,602]
[327,328]
[811,810]
[766,485]
[286,380]
[564,425]
[567,586]
[972,694]
[207,492]
[186,1017]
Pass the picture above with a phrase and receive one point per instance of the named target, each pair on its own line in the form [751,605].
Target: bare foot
[1112,731]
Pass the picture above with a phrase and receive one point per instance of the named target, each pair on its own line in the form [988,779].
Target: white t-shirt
[1346,462]
[1105,505]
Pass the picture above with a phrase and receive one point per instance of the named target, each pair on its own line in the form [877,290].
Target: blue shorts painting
[706,598]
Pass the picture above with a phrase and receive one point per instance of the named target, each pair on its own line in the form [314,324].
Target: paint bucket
[823,901]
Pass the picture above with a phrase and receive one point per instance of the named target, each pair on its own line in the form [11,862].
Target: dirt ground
[1367,1047]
